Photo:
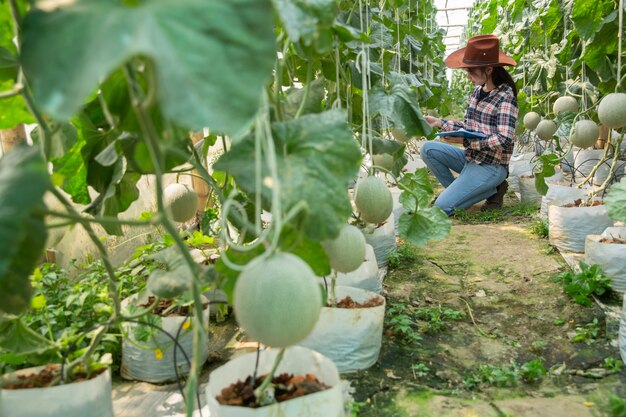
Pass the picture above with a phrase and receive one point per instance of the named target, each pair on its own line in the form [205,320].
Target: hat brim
[455,60]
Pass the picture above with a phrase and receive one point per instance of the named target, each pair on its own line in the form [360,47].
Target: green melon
[585,134]
[181,202]
[565,104]
[165,284]
[400,135]
[347,252]
[545,129]
[612,110]
[531,120]
[373,199]
[277,300]
[383,160]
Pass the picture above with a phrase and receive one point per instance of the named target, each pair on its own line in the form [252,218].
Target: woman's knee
[427,148]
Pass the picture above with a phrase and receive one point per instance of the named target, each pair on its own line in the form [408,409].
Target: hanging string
[619,44]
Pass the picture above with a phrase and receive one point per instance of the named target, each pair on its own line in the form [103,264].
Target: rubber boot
[496,200]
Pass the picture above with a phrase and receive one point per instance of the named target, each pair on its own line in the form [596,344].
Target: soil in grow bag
[164,305]
[614,240]
[579,203]
[50,375]
[348,302]
[286,387]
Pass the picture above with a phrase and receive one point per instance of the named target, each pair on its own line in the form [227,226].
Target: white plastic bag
[364,277]
[382,239]
[143,362]
[351,338]
[559,195]
[528,191]
[622,332]
[569,226]
[519,165]
[610,256]
[296,360]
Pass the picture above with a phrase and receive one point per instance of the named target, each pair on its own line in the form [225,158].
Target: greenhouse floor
[495,278]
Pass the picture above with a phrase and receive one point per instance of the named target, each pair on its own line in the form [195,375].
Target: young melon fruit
[383,160]
[612,110]
[277,300]
[400,135]
[347,252]
[165,284]
[545,129]
[531,120]
[565,104]
[180,201]
[373,199]
[585,134]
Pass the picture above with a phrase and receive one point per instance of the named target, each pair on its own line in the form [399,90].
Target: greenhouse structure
[297,208]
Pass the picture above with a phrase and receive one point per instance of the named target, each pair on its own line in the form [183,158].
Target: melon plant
[531,120]
[584,134]
[347,252]
[165,284]
[546,129]
[181,202]
[383,160]
[373,199]
[565,104]
[612,110]
[277,300]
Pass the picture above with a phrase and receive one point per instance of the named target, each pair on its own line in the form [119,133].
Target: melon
[347,252]
[373,199]
[612,110]
[181,202]
[400,135]
[545,129]
[165,284]
[565,104]
[585,134]
[383,160]
[531,120]
[277,300]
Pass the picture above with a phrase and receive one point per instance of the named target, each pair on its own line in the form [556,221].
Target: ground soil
[348,302]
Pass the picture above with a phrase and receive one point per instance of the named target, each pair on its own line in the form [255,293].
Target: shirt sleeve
[450,125]
[507,117]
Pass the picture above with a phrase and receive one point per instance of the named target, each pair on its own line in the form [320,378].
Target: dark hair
[501,76]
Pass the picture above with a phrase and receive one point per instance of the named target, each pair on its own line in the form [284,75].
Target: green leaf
[23,181]
[212,57]
[308,250]
[20,340]
[313,102]
[587,16]
[72,172]
[316,158]
[424,225]
[616,201]
[540,184]
[61,139]
[303,19]
[417,190]
[347,33]
[13,110]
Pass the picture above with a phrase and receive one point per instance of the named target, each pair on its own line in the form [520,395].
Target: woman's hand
[433,121]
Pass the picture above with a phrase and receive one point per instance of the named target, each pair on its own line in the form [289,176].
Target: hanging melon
[181,202]
[585,134]
[373,199]
[165,284]
[565,104]
[612,110]
[400,135]
[545,129]
[277,300]
[531,120]
[347,252]
[383,160]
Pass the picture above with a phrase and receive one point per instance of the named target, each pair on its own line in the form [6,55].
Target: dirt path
[490,317]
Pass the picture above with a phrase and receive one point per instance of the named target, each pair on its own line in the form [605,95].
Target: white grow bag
[569,226]
[559,195]
[142,364]
[92,398]
[528,191]
[519,165]
[622,332]
[365,277]
[351,338]
[610,256]
[297,361]
[382,239]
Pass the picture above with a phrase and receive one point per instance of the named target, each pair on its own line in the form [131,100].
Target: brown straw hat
[481,51]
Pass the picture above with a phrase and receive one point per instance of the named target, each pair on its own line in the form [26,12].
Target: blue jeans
[476,182]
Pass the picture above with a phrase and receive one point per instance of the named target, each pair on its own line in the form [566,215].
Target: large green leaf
[316,157]
[616,201]
[18,339]
[302,19]
[13,109]
[587,16]
[23,180]
[60,140]
[424,225]
[212,57]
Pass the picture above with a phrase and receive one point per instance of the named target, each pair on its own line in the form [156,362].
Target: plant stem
[307,88]
[152,142]
[17,89]
[100,220]
[258,393]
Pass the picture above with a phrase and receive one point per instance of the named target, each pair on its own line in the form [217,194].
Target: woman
[492,110]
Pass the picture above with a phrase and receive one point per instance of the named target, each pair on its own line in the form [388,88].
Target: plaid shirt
[495,115]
